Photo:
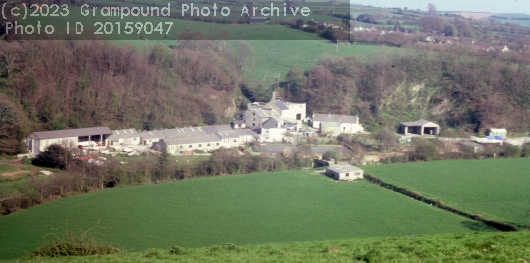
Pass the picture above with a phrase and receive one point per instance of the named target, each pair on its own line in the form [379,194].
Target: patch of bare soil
[12,175]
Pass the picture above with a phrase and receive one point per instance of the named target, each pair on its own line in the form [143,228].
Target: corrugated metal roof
[228,135]
[129,133]
[201,138]
[417,123]
[44,135]
[216,128]
[497,130]
[334,118]
[329,124]
[344,169]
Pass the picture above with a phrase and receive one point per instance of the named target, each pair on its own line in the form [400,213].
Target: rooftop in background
[44,135]
[216,128]
[201,138]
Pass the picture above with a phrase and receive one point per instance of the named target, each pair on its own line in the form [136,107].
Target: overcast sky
[492,6]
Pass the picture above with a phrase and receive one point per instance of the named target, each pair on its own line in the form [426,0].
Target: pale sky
[491,6]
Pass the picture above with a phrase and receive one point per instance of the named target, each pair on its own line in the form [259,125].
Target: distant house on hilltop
[258,20]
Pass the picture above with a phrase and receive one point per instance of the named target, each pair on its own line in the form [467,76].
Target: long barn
[38,141]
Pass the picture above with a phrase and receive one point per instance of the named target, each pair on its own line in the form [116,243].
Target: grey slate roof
[416,123]
[270,123]
[280,104]
[72,133]
[243,132]
[216,128]
[239,122]
[126,133]
[344,169]
[334,118]
[200,138]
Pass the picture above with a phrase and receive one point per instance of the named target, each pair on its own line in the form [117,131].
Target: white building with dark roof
[272,131]
[285,113]
[337,124]
[38,141]
[185,144]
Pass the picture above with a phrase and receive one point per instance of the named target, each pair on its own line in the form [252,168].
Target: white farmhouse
[345,123]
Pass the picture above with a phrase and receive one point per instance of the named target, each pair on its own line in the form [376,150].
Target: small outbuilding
[420,127]
[496,132]
[469,146]
[344,172]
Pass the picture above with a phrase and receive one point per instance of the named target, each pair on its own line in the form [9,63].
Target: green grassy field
[494,188]
[272,57]
[113,28]
[240,209]
[468,247]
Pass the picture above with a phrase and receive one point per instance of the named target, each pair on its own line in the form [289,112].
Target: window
[347,174]
[181,147]
[253,114]
[253,124]
[217,144]
[266,138]
[200,145]
[191,146]
[267,131]
[253,119]
[208,144]
[235,140]
[299,116]
[357,173]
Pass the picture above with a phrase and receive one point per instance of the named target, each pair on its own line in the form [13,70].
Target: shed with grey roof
[38,141]
[420,127]
[124,137]
[344,172]
[184,144]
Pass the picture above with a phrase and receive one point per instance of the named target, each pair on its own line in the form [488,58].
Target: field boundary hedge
[500,225]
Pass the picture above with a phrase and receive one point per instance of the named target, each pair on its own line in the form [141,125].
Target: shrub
[71,245]
[55,156]
[526,150]
[511,151]
[177,250]
[331,154]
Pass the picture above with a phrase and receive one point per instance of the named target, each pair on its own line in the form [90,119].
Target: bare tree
[432,8]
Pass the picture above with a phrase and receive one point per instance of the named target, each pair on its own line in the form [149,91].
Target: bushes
[511,151]
[71,245]
[526,150]
[331,154]
[55,156]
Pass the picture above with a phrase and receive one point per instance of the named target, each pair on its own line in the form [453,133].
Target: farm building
[347,124]
[330,128]
[471,146]
[420,127]
[183,144]
[229,139]
[344,172]
[258,20]
[246,135]
[239,124]
[151,138]
[271,131]
[124,137]
[38,141]
[496,132]
[285,113]
[216,128]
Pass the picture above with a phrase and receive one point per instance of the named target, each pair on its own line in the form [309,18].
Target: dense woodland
[457,86]
[48,85]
